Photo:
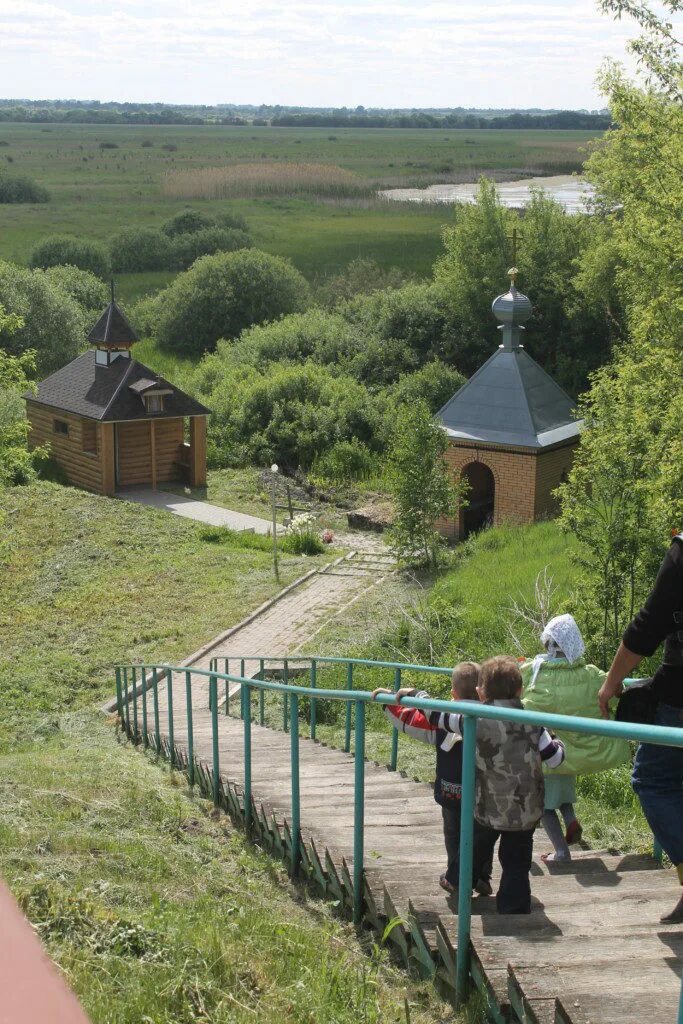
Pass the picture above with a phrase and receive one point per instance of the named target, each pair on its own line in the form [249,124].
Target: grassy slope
[95,192]
[155,910]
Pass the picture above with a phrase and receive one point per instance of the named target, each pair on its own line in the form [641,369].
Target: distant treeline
[92,112]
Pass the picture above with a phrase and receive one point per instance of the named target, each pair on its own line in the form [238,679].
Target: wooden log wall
[134,453]
[168,438]
[82,468]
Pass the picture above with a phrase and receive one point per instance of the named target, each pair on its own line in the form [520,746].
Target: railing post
[227,686]
[143,681]
[680,1005]
[155,694]
[285,699]
[241,688]
[126,706]
[296,798]
[246,715]
[213,698]
[358,812]
[135,707]
[262,694]
[190,727]
[393,760]
[119,696]
[171,736]
[469,745]
[347,729]
[314,672]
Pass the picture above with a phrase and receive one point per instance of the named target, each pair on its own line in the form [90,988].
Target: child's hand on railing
[380,689]
[405,691]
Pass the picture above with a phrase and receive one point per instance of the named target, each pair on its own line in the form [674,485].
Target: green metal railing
[148,677]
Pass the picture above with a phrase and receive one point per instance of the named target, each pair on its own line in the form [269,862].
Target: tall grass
[263,179]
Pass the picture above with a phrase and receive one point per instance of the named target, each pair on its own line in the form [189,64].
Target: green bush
[302,537]
[223,294]
[66,250]
[434,383]
[19,188]
[346,461]
[137,249]
[88,291]
[226,219]
[189,247]
[53,324]
[186,222]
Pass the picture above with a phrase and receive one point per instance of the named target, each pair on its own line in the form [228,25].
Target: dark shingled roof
[112,328]
[511,401]
[104,393]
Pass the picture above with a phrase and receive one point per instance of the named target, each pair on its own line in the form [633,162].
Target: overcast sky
[403,53]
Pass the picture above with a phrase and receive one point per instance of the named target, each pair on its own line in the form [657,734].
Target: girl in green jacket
[560,682]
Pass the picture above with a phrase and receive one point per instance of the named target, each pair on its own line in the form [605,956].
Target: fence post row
[126,706]
[190,726]
[358,812]
[213,700]
[313,682]
[135,706]
[296,789]
[155,694]
[347,725]
[393,761]
[462,970]
[246,715]
[171,737]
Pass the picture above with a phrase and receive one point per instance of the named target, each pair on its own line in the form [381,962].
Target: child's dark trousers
[514,853]
[481,869]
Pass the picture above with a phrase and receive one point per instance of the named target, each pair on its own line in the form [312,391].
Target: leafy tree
[91,294]
[359,277]
[420,483]
[16,372]
[625,492]
[59,250]
[434,383]
[187,248]
[186,222]
[221,295]
[52,322]
[137,249]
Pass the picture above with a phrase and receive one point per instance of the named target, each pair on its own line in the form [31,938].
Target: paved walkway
[190,508]
[284,625]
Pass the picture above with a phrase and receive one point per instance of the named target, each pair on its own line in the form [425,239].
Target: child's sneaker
[483,888]
[446,886]
[573,833]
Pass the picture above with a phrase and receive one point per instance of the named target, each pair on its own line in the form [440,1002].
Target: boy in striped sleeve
[447,784]
[509,789]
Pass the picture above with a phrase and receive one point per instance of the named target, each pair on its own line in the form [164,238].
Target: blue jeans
[658,781]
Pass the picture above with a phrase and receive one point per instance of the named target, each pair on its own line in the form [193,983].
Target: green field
[97,191]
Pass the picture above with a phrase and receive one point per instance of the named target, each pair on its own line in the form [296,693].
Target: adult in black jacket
[658,771]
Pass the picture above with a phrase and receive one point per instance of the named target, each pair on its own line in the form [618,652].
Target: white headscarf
[562,638]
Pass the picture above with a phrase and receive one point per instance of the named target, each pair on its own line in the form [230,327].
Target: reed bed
[264,179]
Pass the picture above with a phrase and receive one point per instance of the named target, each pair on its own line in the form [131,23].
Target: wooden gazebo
[111,422]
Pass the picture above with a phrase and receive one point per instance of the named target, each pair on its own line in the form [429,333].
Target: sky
[392,53]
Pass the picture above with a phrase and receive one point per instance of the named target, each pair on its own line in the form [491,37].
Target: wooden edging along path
[591,951]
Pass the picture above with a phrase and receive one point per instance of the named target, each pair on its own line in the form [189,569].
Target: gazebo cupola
[511,431]
[112,335]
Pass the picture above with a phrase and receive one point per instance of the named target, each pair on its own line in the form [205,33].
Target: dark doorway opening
[478,513]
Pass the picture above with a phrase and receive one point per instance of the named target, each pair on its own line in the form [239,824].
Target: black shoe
[675,916]
[483,887]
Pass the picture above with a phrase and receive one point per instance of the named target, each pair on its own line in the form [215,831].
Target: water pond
[571,192]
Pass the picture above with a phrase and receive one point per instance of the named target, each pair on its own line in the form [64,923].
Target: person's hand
[609,689]
[405,691]
[380,689]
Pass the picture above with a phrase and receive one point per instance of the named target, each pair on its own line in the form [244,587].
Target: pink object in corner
[33,990]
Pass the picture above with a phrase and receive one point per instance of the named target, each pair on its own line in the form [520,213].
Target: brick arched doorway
[481,498]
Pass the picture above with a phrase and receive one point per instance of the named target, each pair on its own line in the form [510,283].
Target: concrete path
[284,624]
[190,508]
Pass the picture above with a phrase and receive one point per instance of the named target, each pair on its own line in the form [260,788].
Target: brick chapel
[511,432]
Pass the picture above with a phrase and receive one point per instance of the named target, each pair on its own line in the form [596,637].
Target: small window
[89,437]
[61,427]
[154,403]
